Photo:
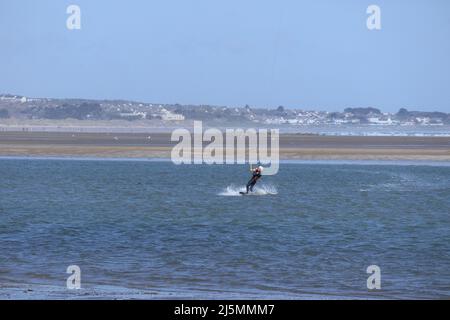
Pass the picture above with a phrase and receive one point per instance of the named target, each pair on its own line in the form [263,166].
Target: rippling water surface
[144,229]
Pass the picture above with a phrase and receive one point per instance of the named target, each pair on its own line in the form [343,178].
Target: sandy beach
[159,145]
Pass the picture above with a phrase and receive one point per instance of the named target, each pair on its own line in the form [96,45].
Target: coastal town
[26,108]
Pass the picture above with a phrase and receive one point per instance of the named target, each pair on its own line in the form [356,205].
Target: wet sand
[158,145]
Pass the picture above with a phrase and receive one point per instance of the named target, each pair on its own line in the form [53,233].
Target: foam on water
[262,190]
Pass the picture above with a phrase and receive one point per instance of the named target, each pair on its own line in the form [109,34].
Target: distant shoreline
[428,163]
[158,146]
[157,126]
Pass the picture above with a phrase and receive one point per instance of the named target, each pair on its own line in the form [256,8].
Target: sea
[146,229]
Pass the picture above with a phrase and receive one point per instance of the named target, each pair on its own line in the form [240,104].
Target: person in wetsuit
[256,174]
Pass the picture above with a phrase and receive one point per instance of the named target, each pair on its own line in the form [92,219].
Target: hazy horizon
[212,105]
[307,55]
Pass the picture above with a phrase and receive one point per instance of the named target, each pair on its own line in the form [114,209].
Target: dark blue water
[142,229]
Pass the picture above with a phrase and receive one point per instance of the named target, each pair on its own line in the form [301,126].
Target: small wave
[233,191]
[401,182]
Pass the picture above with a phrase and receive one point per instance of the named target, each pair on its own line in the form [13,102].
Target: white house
[166,115]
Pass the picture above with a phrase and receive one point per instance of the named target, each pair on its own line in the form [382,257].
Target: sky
[316,54]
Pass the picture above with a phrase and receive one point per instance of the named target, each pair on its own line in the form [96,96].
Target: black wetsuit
[251,183]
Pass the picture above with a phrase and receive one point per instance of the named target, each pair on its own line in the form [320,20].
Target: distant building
[376,120]
[423,120]
[8,97]
[166,115]
[133,115]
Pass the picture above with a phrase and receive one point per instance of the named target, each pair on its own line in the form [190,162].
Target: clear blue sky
[315,54]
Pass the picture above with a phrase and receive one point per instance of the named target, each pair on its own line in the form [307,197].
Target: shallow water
[142,229]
